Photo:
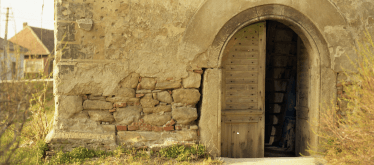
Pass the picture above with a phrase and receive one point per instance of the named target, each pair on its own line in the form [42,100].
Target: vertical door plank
[243,89]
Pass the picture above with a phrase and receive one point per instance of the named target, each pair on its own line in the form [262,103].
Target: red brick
[141,120]
[198,71]
[178,127]
[169,91]
[140,79]
[133,127]
[170,78]
[112,110]
[146,127]
[198,132]
[139,95]
[170,123]
[121,128]
[137,103]
[169,128]
[157,129]
[138,87]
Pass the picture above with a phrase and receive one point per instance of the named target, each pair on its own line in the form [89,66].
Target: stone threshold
[308,160]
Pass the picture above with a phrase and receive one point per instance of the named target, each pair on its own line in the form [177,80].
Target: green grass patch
[77,155]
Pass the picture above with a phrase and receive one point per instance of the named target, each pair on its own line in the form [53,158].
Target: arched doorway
[318,59]
[265,75]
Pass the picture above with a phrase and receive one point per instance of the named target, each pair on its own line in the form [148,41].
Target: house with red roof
[40,45]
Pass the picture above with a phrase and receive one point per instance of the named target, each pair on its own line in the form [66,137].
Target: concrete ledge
[66,141]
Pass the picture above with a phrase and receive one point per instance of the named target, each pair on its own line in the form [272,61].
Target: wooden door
[243,93]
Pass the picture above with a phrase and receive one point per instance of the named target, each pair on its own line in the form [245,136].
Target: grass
[176,154]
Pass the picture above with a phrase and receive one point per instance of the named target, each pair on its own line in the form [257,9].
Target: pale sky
[29,11]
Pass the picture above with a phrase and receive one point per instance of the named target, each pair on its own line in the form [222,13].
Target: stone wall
[141,111]
[129,71]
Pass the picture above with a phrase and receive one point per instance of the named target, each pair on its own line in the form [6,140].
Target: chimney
[24,24]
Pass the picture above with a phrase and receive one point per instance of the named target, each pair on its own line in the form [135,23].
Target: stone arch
[200,40]
[204,32]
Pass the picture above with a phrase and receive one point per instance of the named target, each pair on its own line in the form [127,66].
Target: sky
[29,11]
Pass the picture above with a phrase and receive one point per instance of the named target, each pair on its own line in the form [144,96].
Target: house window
[14,70]
[33,66]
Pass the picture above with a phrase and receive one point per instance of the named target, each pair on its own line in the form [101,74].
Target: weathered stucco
[133,68]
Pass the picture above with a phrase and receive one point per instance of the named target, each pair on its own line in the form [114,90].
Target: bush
[348,134]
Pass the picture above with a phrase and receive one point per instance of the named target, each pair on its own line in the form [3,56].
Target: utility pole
[6,36]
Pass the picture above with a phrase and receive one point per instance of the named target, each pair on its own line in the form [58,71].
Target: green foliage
[77,155]
[182,153]
[41,147]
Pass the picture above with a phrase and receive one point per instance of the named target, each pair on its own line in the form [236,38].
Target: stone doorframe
[210,119]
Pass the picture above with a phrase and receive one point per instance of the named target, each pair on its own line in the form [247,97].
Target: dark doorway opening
[280,90]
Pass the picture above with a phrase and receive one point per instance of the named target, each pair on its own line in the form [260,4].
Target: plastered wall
[102,44]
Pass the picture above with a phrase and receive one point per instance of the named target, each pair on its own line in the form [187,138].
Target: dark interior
[280,87]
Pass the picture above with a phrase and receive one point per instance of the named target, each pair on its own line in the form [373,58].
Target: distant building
[40,45]
[11,66]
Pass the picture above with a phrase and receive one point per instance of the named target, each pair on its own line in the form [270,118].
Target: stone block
[69,140]
[168,84]
[93,97]
[164,96]
[85,24]
[123,99]
[125,92]
[140,95]
[147,83]
[119,105]
[192,81]
[98,115]
[130,81]
[67,106]
[157,119]
[81,115]
[97,104]
[160,108]
[144,91]
[188,96]
[138,136]
[121,128]
[194,127]
[187,135]
[109,128]
[148,102]
[125,116]
[184,115]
